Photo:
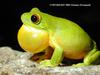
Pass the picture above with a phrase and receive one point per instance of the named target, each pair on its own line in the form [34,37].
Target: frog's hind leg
[91,57]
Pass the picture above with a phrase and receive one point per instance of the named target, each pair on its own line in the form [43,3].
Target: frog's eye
[35,18]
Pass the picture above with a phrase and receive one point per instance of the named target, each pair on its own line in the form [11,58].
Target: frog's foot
[79,65]
[90,58]
[45,63]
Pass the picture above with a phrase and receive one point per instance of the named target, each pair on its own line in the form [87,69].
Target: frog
[67,39]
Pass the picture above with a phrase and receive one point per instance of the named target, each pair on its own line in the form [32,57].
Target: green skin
[73,38]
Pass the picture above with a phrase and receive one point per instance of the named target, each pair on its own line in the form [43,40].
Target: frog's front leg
[91,57]
[55,59]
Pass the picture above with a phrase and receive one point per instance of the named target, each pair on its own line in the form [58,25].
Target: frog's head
[32,36]
[34,18]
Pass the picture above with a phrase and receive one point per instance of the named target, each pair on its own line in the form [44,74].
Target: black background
[86,17]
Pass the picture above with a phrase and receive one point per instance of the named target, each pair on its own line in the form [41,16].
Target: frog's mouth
[32,40]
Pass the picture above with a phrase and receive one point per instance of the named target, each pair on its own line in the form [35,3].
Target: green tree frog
[41,30]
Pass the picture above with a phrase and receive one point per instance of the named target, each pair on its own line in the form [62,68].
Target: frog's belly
[74,55]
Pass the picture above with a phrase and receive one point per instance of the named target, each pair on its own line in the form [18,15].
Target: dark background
[86,17]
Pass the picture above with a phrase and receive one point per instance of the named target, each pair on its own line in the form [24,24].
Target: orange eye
[35,18]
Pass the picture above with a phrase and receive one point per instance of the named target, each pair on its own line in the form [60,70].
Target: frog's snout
[32,40]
